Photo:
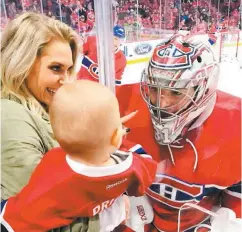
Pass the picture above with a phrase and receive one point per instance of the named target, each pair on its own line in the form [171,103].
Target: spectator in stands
[38,56]
[11,9]
[55,8]
[83,26]
[35,7]
[49,4]
[81,10]
[201,27]
[90,19]
[68,13]
[50,14]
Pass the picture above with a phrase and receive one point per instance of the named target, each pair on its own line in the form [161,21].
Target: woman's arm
[22,147]
[25,139]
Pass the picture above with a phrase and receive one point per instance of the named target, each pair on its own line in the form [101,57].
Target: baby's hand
[126,118]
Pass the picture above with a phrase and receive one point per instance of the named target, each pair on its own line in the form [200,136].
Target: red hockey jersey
[43,205]
[89,68]
[218,173]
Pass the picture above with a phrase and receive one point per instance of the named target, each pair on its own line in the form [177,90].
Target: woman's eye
[55,68]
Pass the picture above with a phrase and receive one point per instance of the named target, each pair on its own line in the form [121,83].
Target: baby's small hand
[129,116]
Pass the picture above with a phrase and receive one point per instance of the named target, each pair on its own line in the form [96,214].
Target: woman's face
[50,70]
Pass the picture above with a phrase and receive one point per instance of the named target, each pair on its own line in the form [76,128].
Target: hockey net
[228,46]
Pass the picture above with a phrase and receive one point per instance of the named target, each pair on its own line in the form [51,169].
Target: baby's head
[85,118]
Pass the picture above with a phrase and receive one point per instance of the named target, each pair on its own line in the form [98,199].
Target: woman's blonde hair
[23,40]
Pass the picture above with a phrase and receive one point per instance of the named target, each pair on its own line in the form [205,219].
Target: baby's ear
[117,137]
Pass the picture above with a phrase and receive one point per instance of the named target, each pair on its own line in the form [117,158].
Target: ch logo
[173,55]
[93,69]
[175,192]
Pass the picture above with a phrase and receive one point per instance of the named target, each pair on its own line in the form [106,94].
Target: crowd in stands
[196,15]
[79,14]
[199,16]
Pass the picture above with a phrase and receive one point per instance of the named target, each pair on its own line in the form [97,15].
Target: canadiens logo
[174,55]
[174,192]
[91,66]
[93,69]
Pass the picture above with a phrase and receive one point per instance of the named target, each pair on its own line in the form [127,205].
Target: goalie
[192,130]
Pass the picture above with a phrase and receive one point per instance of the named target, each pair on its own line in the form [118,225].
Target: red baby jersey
[89,68]
[43,205]
[217,144]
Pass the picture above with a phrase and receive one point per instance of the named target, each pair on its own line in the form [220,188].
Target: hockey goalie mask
[178,86]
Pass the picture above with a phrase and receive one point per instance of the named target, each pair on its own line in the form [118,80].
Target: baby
[86,122]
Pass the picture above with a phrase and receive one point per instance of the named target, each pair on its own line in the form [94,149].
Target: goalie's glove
[225,221]
[222,220]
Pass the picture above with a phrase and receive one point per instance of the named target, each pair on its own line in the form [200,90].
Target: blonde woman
[38,56]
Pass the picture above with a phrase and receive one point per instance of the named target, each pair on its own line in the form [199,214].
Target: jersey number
[165,137]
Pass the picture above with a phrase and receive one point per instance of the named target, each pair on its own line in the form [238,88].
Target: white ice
[231,72]
[230,80]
